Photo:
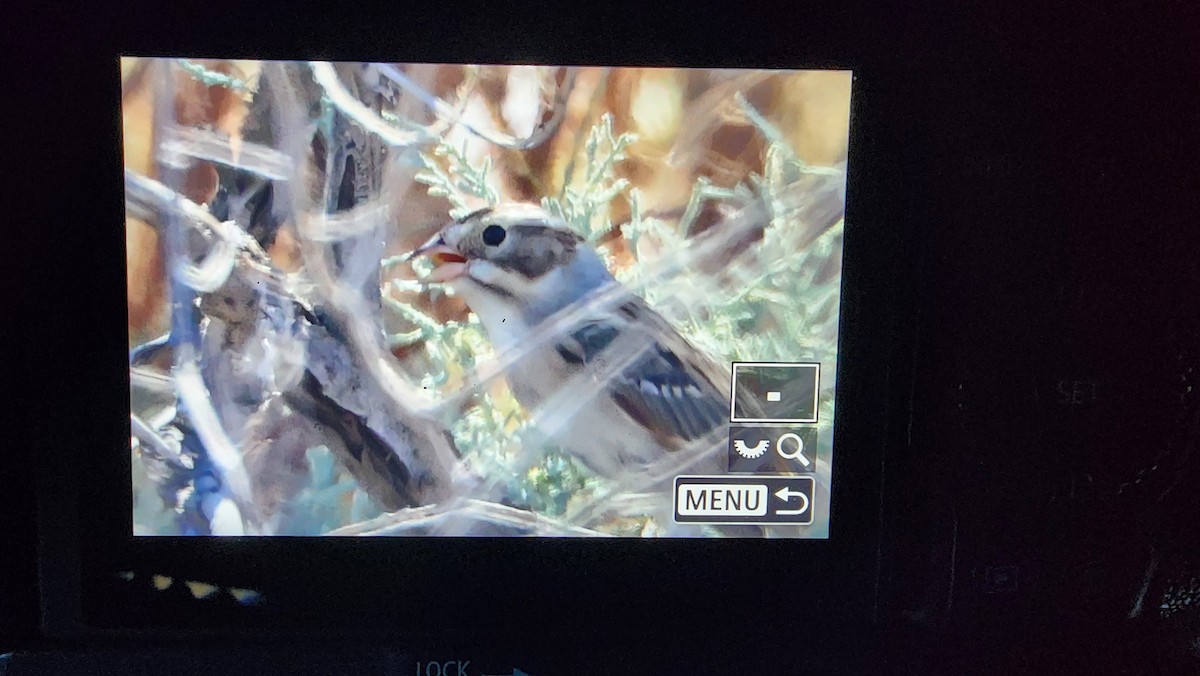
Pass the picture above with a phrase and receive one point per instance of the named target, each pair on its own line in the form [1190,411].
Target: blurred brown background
[686,120]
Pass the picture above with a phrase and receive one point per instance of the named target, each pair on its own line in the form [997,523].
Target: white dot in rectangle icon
[773,396]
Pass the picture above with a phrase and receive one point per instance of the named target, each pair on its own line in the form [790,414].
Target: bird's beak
[449,263]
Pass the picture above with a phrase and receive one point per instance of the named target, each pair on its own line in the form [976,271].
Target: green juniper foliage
[213,78]
[581,206]
[780,312]
[466,180]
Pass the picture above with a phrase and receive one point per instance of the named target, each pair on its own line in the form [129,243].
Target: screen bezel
[425,587]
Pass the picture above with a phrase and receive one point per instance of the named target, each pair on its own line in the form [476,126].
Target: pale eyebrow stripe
[475,214]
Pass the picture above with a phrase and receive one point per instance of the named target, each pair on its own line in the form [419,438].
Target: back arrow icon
[786,495]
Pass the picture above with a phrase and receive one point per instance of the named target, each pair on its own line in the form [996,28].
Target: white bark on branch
[369,381]
[541,133]
[190,143]
[165,449]
[327,77]
[153,203]
[467,517]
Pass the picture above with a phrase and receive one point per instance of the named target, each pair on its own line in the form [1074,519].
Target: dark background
[1045,469]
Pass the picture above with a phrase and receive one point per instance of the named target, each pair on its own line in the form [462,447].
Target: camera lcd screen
[390,299]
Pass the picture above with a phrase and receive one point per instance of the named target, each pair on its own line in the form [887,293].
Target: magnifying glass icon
[797,454]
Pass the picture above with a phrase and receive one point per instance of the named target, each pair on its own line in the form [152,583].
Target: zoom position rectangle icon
[775,392]
[772,450]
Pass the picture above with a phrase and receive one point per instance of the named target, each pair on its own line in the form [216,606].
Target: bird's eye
[493,235]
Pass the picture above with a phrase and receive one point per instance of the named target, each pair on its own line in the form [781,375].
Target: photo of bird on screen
[651,392]
[381,299]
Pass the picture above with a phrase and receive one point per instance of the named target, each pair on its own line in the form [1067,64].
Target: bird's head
[514,257]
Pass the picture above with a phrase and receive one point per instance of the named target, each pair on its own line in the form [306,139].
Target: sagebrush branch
[386,400]
[230,509]
[541,133]
[148,437]
[351,107]
[153,203]
[467,517]
[452,114]
[202,144]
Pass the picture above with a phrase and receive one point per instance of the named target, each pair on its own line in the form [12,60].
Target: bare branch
[402,405]
[198,404]
[213,272]
[539,136]
[452,114]
[154,203]
[389,404]
[149,200]
[361,220]
[165,449]
[354,109]
[151,380]
[203,144]
[326,76]
[231,506]
[467,517]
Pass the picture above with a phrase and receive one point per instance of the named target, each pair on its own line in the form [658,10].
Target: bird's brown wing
[672,389]
[642,390]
